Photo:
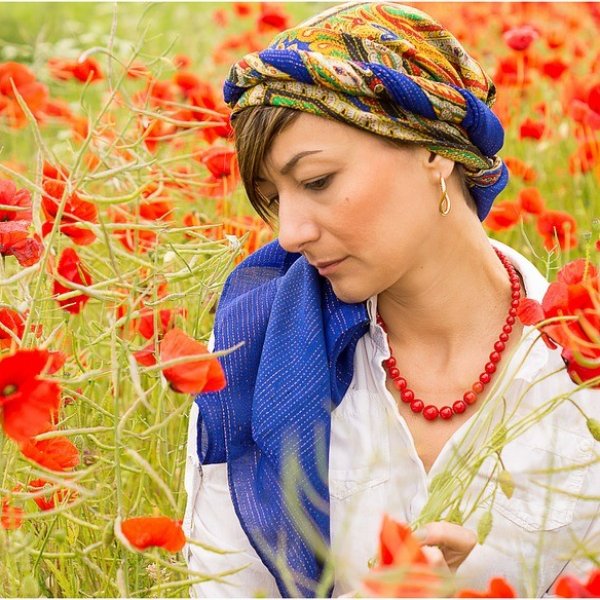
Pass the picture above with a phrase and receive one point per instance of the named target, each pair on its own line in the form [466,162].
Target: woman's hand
[446,543]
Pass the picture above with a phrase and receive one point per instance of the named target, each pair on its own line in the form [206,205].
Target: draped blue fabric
[271,424]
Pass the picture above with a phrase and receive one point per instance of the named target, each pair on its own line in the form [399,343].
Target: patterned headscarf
[387,68]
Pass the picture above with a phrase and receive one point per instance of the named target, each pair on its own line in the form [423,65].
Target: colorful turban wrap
[390,69]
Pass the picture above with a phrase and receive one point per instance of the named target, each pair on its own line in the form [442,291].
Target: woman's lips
[330,268]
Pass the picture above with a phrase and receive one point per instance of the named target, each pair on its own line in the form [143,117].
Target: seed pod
[506,483]
[594,427]
[108,535]
[59,535]
[498,439]
[455,516]
[29,587]
[484,527]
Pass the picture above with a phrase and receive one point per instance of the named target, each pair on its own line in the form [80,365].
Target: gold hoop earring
[445,203]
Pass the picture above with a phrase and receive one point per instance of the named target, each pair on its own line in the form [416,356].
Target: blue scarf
[272,422]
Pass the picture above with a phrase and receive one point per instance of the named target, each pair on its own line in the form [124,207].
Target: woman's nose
[297,226]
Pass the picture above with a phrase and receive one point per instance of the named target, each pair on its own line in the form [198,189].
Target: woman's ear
[440,165]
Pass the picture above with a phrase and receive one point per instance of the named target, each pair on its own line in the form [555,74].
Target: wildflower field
[121,215]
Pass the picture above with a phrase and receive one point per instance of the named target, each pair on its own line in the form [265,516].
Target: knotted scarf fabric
[389,69]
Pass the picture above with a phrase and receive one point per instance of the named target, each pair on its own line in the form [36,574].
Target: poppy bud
[506,482]
[594,426]
[484,526]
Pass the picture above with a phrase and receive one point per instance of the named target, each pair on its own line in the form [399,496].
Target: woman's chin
[348,295]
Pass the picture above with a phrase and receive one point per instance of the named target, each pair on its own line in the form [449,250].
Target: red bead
[431,412]
[459,407]
[471,397]
[477,387]
[416,405]
[515,285]
[390,362]
[516,295]
[507,328]
[513,312]
[495,357]
[515,303]
[407,395]
[503,337]
[499,346]
[485,378]
[394,372]
[510,320]
[490,368]
[446,412]
[400,383]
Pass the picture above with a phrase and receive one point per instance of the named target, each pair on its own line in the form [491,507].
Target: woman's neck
[449,301]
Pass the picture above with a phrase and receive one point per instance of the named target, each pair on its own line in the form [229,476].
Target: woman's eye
[318,184]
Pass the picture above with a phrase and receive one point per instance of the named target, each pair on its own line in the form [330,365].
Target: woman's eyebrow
[290,164]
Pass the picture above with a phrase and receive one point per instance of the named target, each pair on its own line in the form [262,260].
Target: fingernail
[420,534]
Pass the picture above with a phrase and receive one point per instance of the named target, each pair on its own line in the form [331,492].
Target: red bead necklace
[432,412]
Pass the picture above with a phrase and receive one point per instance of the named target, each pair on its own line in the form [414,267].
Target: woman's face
[346,195]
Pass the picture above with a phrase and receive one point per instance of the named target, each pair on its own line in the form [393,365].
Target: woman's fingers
[434,556]
[454,541]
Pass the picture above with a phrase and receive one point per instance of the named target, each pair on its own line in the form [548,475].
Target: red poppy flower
[520,38]
[137,70]
[71,268]
[55,454]
[18,239]
[34,93]
[403,570]
[154,131]
[182,61]
[75,210]
[554,68]
[134,239]
[52,499]
[221,17]
[242,9]
[190,377]
[13,321]
[156,209]
[575,293]
[207,106]
[556,225]
[531,201]
[147,355]
[520,169]
[531,129]
[224,173]
[568,586]
[87,70]
[11,517]
[578,372]
[497,588]
[555,38]
[166,317]
[20,199]
[585,158]
[503,215]
[160,532]
[272,18]
[28,403]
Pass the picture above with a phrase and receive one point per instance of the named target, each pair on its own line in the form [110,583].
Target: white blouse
[374,469]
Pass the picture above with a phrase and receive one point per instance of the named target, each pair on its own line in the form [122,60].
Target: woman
[373,328]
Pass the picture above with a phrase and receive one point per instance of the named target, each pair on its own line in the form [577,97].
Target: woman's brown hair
[255,130]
